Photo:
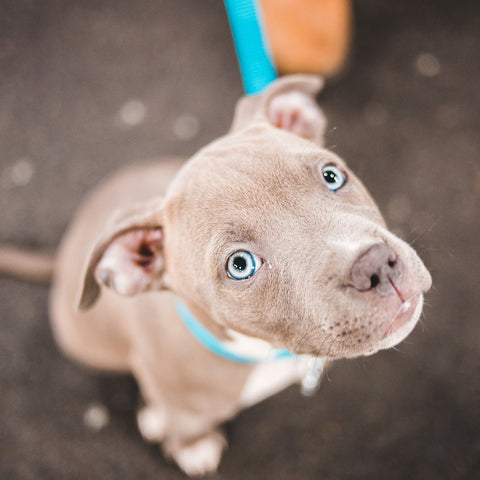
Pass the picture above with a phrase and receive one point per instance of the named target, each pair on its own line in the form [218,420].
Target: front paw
[298,113]
[202,456]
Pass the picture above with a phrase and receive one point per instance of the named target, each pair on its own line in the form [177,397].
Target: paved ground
[88,86]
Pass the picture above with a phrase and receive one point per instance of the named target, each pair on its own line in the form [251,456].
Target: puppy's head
[267,233]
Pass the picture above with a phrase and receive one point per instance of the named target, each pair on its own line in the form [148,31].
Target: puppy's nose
[377,268]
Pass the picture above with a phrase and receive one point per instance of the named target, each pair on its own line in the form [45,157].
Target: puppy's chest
[273,371]
[271,377]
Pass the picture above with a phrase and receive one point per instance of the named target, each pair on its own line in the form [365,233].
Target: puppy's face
[269,234]
[276,238]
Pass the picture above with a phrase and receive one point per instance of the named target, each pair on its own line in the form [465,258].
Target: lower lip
[403,316]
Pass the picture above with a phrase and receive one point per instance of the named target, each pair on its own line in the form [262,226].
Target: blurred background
[89,86]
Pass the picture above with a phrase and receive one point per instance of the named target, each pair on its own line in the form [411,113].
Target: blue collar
[212,343]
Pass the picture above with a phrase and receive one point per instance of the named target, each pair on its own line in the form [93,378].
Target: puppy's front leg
[298,113]
[186,436]
[151,418]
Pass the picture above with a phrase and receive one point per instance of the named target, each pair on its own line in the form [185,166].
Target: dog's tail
[25,264]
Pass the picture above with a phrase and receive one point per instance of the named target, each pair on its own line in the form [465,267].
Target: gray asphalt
[89,86]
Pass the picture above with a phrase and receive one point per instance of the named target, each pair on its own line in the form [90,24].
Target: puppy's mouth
[408,312]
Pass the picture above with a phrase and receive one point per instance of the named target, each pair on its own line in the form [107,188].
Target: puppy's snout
[377,268]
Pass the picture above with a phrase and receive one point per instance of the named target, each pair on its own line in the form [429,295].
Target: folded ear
[128,257]
[289,104]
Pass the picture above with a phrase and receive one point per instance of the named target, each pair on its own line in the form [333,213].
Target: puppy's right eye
[242,265]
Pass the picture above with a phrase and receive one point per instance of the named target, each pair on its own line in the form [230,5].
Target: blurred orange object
[308,36]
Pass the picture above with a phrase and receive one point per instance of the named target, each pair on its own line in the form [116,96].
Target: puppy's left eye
[334,178]
[242,265]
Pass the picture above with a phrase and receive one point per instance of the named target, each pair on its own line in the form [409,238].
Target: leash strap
[251,44]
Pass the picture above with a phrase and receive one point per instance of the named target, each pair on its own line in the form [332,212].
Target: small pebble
[96,417]
[22,172]
[427,65]
[132,113]
[186,127]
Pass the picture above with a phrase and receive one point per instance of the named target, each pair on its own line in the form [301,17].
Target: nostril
[374,280]
[375,269]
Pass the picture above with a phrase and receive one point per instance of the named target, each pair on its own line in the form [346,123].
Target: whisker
[331,345]
[326,372]
[427,230]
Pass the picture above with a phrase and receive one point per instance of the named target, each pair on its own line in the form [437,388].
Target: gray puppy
[222,280]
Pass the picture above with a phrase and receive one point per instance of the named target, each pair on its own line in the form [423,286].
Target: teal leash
[251,44]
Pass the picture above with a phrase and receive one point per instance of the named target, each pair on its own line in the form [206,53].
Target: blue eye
[242,265]
[333,177]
